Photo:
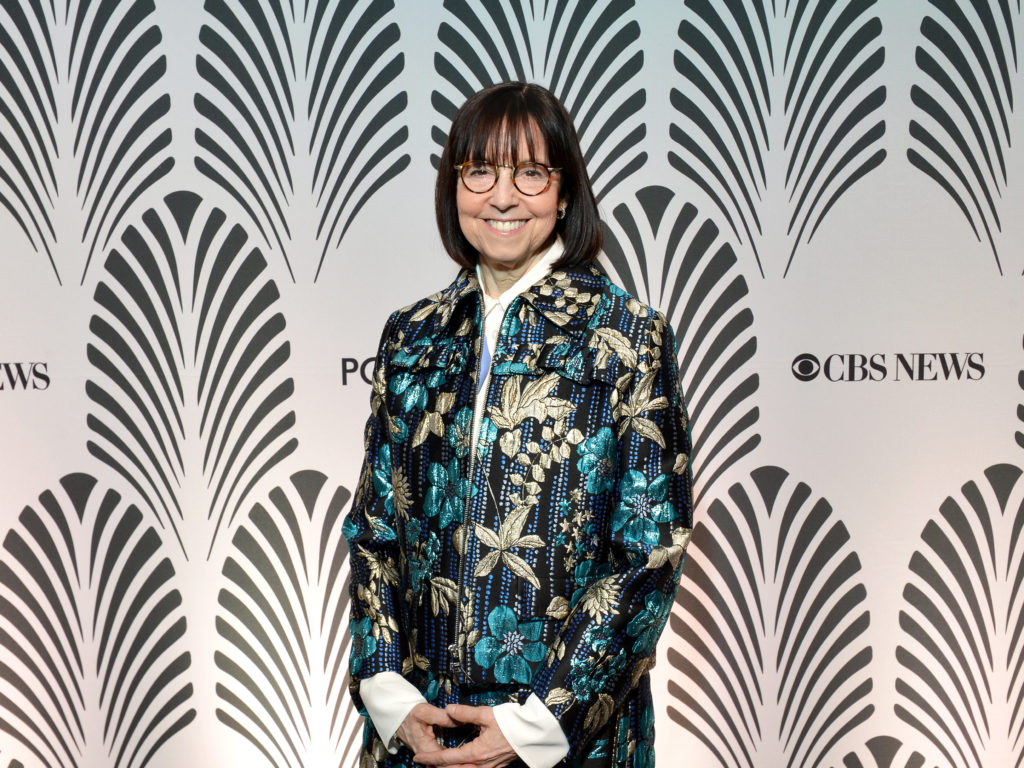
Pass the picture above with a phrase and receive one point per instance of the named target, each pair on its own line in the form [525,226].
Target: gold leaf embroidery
[530,402]
[558,608]
[608,341]
[682,462]
[601,598]
[509,536]
[673,554]
[643,402]
[443,592]
[599,712]
[558,696]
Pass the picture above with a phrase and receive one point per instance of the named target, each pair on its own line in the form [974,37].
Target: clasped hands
[489,749]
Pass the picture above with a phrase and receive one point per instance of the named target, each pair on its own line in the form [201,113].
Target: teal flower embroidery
[448,492]
[349,530]
[585,574]
[641,507]
[399,430]
[460,432]
[364,644]
[407,357]
[414,394]
[488,434]
[599,460]
[412,531]
[646,625]
[511,646]
[433,687]
[382,479]
[589,674]
[644,755]
[421,562]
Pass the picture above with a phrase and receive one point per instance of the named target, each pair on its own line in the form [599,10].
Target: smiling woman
[525,502]
[509,218]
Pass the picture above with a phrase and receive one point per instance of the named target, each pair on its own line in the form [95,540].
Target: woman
[524,506]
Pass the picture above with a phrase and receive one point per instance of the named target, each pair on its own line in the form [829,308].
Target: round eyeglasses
[529,178]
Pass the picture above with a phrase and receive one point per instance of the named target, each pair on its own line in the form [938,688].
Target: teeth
[506,225]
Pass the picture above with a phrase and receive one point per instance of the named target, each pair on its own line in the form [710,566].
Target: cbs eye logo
[806,367]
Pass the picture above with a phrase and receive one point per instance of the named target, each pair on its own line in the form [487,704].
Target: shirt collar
[533,275]
[552,292]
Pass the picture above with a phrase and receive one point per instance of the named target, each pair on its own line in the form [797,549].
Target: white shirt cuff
[532,731]
[388,698]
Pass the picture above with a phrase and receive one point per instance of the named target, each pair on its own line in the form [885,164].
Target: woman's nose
[504,193]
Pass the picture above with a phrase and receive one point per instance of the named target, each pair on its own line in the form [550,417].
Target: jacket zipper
[455,648]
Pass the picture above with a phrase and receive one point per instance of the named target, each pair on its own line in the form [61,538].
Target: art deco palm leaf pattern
[282,625]
[1019,434]
[188,351]
[663,253]
[778,102]
[299,109]
[92,669]
[962,654]
[587,53]
[770,648]
[960,136]
[83,107]
[884,752]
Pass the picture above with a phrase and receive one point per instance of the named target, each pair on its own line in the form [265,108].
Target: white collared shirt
[494,310]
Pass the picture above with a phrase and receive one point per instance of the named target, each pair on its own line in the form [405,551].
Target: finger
[465,713]
[439,717]
[445,757]
[431,715]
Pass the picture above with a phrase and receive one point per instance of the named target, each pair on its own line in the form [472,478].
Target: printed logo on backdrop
[99,103]
[301,110]
[587,53]
[25,377]
[661,251]
[771,649]
[777,103]
[896,366]
[356,370]
[961,133]
[961,643]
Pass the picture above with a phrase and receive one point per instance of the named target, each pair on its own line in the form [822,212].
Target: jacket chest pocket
[419,374]
[580,360]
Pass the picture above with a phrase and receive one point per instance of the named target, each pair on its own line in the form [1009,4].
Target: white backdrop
[210,208]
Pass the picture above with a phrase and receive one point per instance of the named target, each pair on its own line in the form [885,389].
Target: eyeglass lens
[529,178]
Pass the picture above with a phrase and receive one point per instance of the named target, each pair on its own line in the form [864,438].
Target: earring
[561,211]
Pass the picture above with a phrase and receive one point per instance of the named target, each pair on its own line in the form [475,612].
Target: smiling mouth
[506,225]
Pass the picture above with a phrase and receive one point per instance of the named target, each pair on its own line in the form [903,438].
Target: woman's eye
[480,171]
[530,172]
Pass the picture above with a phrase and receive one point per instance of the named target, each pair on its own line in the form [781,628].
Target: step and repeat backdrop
[208,209]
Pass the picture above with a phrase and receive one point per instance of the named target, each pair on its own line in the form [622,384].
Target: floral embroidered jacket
[545,558]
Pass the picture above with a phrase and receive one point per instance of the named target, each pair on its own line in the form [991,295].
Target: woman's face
[507,228]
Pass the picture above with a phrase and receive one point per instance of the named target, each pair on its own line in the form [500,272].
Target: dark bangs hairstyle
[490,126]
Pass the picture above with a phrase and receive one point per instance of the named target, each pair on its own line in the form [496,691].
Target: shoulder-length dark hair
[490,126]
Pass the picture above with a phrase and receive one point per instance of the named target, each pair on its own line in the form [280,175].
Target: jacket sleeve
[370,529]
[607,642]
